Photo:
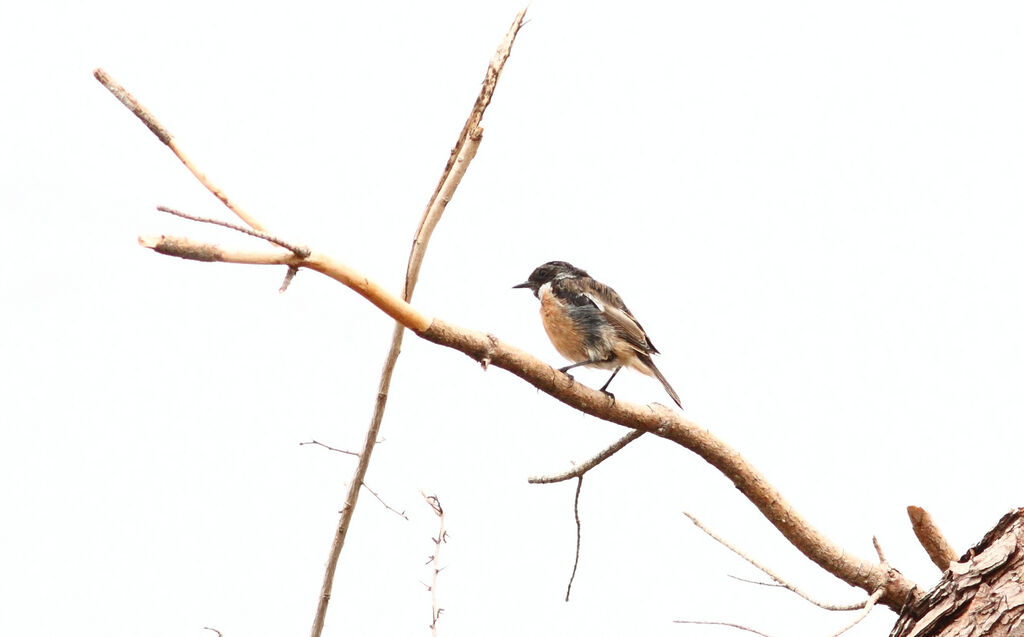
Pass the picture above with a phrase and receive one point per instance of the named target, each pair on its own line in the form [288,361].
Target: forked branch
[461,155]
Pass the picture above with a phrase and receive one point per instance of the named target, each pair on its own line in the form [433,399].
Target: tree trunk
[982,595]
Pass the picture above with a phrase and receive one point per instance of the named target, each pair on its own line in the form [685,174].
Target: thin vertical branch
[458,162]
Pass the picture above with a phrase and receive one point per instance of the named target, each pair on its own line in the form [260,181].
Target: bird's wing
[618,315]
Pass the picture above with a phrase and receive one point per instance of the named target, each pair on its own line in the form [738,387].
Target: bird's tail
[646,360]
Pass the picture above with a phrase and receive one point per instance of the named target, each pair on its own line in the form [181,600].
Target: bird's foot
[565,370]
[609,395]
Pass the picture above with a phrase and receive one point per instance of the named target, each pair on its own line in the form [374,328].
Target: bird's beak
[521,285]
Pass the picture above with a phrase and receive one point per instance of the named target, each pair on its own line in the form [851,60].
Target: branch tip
[935,544]
[132,104]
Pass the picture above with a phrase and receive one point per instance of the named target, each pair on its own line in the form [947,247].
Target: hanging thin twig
[579,528]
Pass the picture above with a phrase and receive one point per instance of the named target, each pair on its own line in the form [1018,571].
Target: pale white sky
[814,209]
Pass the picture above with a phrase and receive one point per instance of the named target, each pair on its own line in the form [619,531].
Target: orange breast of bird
[560,328]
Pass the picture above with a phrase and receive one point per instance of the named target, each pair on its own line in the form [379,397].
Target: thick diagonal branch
[653,418]
[673,426]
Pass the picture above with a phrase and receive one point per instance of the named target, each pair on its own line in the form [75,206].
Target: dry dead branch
[434,561]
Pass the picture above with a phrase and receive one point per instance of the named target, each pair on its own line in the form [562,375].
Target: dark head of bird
[551,271]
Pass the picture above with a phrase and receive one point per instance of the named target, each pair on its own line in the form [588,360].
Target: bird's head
[550,271]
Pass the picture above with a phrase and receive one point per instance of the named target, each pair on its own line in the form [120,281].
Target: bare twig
[726,624]
[580,469]
[579,528]
[879,552]
[783,583]
[386,505]
[365,486]
[434,561]
[754,581]
[300,251]
[939,550]
[869,605]
[463,152]
[165,136]
[330,448]
[219,634]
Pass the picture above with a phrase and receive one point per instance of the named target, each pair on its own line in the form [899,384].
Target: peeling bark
[981,595]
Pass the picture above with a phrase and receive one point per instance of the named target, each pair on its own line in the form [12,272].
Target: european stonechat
[589,324]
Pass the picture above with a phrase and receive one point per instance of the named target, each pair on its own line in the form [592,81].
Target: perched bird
[589,324]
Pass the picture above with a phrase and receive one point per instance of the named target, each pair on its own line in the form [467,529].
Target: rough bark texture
[981,595]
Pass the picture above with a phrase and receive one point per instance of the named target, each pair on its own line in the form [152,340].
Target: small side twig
[939,550]
[386,505]
[330,448]
[288,276]
[878,550]
[869,605]
[300,251]
[442,537]
[365,486]
[764,569]
[726,624]
[219,634]
[580,469]
[754,581]
[579,528]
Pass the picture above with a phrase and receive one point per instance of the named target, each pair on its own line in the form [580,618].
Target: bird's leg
[589,361]
[565,370]
[604,388]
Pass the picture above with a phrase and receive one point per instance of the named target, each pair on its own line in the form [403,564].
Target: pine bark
[981,595]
